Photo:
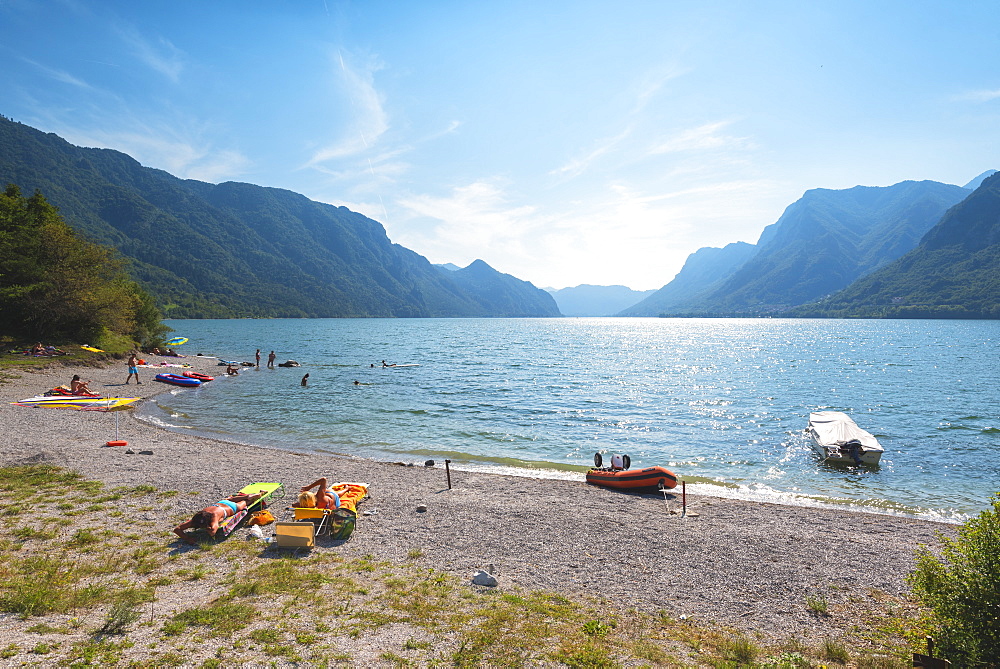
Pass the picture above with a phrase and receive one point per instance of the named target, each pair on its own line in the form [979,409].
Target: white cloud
[982,95]
[187,156]
[705,137]
[644,93]
[578,166]
[472,218]
[619,234]
[160,55]
[369,120]
[58,75]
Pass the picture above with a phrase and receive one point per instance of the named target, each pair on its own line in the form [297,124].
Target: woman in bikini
[323,498]
[214,515]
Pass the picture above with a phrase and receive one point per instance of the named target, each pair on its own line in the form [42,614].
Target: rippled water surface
[721,402]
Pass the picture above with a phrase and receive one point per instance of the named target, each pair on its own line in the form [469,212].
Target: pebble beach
[746,565]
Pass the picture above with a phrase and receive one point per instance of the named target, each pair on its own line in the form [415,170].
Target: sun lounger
[233,521]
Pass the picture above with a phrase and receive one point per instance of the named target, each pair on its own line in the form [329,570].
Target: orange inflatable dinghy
[649,479]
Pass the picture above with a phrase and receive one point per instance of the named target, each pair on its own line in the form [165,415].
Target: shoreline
[575,473]
[746,564]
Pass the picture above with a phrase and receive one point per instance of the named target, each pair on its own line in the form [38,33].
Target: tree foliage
[57,286]
[961,587]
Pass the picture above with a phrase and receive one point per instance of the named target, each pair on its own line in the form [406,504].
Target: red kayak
[198,376]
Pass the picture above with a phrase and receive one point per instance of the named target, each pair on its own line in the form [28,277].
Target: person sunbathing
[78,387]
[213,516]
[323,498]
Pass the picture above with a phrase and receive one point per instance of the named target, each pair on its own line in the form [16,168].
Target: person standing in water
[305,379]
[270,360]
[258,358]
[133,369]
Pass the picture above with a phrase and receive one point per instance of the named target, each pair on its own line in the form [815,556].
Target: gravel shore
[742,564]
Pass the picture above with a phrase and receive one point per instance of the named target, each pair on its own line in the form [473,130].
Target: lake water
[723,403]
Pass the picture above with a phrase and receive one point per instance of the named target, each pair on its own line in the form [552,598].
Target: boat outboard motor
[854,449]
[620,462]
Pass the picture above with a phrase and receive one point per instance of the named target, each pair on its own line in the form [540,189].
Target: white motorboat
[839,439]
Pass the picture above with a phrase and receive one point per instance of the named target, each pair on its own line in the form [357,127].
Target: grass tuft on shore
[85,593]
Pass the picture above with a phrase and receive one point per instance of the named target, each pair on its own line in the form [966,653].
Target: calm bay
[721,402]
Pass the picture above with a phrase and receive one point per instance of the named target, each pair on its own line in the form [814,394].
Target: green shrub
[960,587]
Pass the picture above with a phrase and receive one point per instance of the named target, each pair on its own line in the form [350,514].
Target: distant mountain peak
[978,181]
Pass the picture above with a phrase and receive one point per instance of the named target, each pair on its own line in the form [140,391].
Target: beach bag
[263,517]
[343,523]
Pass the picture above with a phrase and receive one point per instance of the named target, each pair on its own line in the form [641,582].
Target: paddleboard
[76,402]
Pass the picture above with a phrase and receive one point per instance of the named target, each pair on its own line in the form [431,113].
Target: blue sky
[561,142]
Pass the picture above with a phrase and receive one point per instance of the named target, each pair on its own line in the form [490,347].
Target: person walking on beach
[258,358]
[270,360]
[133,369]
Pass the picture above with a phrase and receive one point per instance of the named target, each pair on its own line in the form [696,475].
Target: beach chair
[295,534]
[336,522]
[318,518]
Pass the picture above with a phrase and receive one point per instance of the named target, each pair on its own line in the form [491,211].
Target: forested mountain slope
[821,244]
[236,250]
[954,271]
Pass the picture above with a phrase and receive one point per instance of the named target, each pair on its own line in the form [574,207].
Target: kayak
[178,380]
[198,376]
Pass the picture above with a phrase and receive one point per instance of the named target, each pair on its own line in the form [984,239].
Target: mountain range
[588,300]
[240,250]
[913,249]
[820,245]
[954,272]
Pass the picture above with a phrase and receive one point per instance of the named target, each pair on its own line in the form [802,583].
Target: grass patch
[835,651]
[220,618]
[39,584]
[818,605]
[285,609]
[120,618]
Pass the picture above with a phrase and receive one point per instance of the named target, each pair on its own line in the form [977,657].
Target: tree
[55,285]
[961,587]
